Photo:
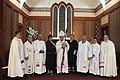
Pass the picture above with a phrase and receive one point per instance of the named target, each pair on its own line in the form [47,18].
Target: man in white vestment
[40,55]
[62,48]
[108,58]
[16,57]
[83,55]
[94,62]
[29,56]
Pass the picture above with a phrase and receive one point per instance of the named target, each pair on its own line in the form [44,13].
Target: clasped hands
[64,45]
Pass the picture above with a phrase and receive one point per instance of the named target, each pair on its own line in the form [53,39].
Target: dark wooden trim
[20,24]
[104,25]
[109,26]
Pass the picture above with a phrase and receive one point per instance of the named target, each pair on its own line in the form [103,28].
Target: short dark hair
[72,35]
[17,32]
[95,37]
[50,36]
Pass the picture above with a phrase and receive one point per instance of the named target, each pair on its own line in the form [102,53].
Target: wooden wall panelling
[2,36]
[78,29]
[90,29]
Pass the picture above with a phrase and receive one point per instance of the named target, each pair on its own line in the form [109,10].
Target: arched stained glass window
[69,21]
[61,19]
[55,10]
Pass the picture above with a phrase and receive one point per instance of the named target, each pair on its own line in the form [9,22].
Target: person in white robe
[40,55]
[94,62]
[29,56]
[62,48]
[83,55]
[16,57]
[108,58]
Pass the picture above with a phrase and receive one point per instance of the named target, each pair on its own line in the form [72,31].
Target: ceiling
[92,4]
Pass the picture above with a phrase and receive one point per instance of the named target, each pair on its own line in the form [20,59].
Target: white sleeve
[44,52]
[89,50]
[26,50]
[97,51]
[21,51]
[58,47]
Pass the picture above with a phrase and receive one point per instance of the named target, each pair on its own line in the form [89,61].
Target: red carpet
[70,76]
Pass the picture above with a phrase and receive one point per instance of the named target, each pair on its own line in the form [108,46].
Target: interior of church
[93,18]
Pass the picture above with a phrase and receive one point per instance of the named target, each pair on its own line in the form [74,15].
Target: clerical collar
[71,40]
[62,40]
[40,39]
[17,38]
[83,41]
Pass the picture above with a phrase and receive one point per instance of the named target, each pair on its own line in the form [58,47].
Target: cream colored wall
[39,14]
[104,20]
[18,5]
[83,14]
[111,3]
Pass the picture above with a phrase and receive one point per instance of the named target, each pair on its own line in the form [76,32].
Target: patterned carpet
[70,76]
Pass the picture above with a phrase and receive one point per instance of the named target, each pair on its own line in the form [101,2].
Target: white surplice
[108,59]
[16,55]
[64,67]
[40,58]
[94,62]
[29,52]
[84,51]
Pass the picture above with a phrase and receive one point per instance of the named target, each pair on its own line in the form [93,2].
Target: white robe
[29,52]
[94,62]
[16,55]
[84,51]
[108,57]
[40,58]
[60,57]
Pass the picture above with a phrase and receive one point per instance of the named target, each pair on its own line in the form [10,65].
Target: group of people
[39,56]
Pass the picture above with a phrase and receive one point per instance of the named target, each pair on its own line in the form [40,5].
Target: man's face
[95,41]
[106,38]
[61,38]
[71,37]
[40,37]
[18,35]
[84,38]
[50,38]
